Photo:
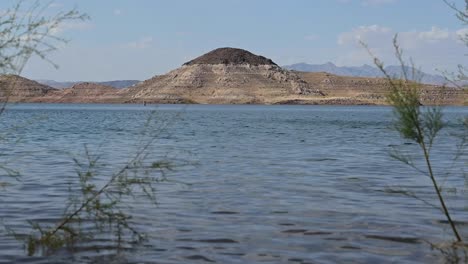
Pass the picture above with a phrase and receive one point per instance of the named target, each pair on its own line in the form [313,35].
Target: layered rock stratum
[116,84]
[365,90]
[224,76]
[229,76]
[83,92]
[15,88]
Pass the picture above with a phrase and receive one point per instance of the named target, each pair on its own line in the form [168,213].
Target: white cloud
[462,32]
[55,5]
[462,35]
[362,33]
[378,36]
[434,34]
[72,25]
[142,43]
[117,12]
[433,48]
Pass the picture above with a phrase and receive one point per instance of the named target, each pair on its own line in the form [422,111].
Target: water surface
[260,184]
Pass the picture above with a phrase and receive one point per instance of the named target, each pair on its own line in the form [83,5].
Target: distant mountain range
[354,71]
[116,84]
[368,71]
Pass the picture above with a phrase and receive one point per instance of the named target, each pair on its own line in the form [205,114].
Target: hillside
[229,76]
[18,89]
[367,71]
[374,90]
[83,93]
[116,84]
[223,76]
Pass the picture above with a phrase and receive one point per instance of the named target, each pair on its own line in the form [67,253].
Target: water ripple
[256,184]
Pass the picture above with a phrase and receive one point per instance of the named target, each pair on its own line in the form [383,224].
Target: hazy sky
[140,38]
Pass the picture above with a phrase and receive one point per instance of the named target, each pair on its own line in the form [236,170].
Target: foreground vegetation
[26,31]
[423,125]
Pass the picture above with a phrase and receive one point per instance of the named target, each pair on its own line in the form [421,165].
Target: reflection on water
[261,184]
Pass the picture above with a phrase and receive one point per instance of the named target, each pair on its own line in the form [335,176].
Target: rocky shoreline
[229,76]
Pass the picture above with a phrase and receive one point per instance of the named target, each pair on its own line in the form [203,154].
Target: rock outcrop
[375,90]
[62,85]
[230,56]
[85,92]
[19,89]
[224,76]
[229,76]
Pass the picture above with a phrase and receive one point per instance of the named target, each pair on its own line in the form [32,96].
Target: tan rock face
[375,90]
[229,76]
[17,88]
[223,76]
[83,93]
[205,83]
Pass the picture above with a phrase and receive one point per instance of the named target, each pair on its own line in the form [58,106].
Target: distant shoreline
[321,102]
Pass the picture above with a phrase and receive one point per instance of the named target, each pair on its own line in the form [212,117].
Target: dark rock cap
[230,56]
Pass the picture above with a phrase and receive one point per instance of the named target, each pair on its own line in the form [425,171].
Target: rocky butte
[229,76]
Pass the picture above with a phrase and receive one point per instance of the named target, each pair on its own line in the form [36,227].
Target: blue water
[251,184]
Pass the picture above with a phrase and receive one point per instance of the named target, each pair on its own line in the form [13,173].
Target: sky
[138,39]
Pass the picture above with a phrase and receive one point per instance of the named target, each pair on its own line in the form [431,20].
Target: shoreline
[320,102]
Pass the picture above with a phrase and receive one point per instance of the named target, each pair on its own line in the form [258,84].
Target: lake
[251,184]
